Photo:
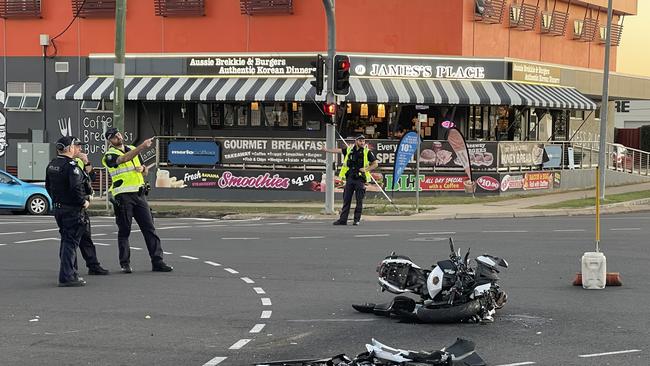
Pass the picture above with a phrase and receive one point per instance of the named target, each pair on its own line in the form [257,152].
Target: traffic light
[319,65]
[329,109]
[341,75]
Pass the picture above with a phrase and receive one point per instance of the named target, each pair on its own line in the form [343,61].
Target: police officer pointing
[64,183]
[128,189]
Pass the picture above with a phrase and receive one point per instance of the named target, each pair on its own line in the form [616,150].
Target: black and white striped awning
[194,89]
[363,90]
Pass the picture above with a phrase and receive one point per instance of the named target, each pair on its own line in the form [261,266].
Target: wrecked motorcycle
[461,353]
[451,291]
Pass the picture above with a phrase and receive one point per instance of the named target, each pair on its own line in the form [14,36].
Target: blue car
[17,195]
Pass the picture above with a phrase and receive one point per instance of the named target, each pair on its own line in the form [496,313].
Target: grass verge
[591,202]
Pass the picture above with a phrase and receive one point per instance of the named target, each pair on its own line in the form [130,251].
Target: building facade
[502,70]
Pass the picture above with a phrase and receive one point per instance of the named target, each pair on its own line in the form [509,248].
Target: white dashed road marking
[44,230]
[259,290]
[240,238]
[610,353]
[266,301]
[136,248]
[370,235]
[189,257]
[504,231]
[266,314]
[626,229]
[247,280]
[519,364]
[230,270]
[240,343]
[215,361]
[438,233]
[14,232]
[168,253]
[569,230]
[100,234]
[1,245]
[212,263]
[257,328]
[306,237]
[35,240]
[103,244]
[174,227]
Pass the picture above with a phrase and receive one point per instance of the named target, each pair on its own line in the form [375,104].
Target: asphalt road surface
[245,292]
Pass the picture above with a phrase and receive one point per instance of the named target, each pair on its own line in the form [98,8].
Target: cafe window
[276,114]
[256,114]
[202,114]
[296,114]
[229,115]
[578,114]
[242,115]
[215,115]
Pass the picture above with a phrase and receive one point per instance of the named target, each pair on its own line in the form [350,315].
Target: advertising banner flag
[457,142]
[405,150]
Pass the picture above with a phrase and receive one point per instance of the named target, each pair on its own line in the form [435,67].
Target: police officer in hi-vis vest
[128,189]
[358,162]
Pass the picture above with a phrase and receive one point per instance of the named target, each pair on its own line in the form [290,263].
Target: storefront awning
[466,92]
[362,90]
[552,97]
[194,89]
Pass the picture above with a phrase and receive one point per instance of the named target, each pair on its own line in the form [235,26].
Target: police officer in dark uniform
[358,162]
[86,245]
[128,189]
[64,183]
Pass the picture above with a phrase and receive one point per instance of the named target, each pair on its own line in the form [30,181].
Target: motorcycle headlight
[435,280]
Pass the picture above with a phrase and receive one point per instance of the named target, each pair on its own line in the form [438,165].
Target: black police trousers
[133,206]
[353,187]
[71,227]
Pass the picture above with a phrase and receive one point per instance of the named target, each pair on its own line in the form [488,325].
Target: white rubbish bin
[594,270]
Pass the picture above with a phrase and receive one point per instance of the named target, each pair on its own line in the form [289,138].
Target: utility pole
[119,68]
[604,105]
[330,128]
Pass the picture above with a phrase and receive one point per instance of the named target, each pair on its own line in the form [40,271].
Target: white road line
[518,364]
[136,248]
[504,231]
[332,320]
[370,235]
[35,240]
[438,233]
[230,270]
[100,234]
[610,353]
[257,328]
[102,244]
[306,237]
[247,280]
[266,314]
[212,263]
[168,253]
[15,232]
[174,227]
[102,225]
[189,257]
[626,229]
[259,290]
[44,230]
[215,361]
[569,230]
[240,343]
[2,245]
[266,301]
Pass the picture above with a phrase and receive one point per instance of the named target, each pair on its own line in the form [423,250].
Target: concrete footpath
[516,207]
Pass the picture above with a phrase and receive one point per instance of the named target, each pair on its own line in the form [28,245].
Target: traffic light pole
[330,128]
[604,106]
[119,68]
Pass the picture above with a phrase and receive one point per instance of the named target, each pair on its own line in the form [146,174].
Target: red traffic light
[344,64]
[329,109]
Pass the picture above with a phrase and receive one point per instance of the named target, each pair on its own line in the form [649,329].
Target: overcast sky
[634,52]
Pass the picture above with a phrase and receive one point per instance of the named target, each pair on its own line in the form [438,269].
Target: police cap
[66,141]
[111,132]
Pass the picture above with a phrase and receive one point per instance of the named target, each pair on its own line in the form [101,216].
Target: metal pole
[417,171]
[604,103]
[330,128]
[119,68]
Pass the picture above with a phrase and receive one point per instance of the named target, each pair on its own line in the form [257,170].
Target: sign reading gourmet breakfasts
[266,66]
[272,151]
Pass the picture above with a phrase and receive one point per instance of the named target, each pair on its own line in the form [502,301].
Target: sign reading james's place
[250,66]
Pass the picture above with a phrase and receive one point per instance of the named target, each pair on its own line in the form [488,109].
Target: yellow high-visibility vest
[125,178]
[345,168]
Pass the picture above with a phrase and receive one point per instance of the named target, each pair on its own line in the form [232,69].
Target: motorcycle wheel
[452,314]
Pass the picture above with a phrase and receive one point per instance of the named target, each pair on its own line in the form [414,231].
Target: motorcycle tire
[452,314]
